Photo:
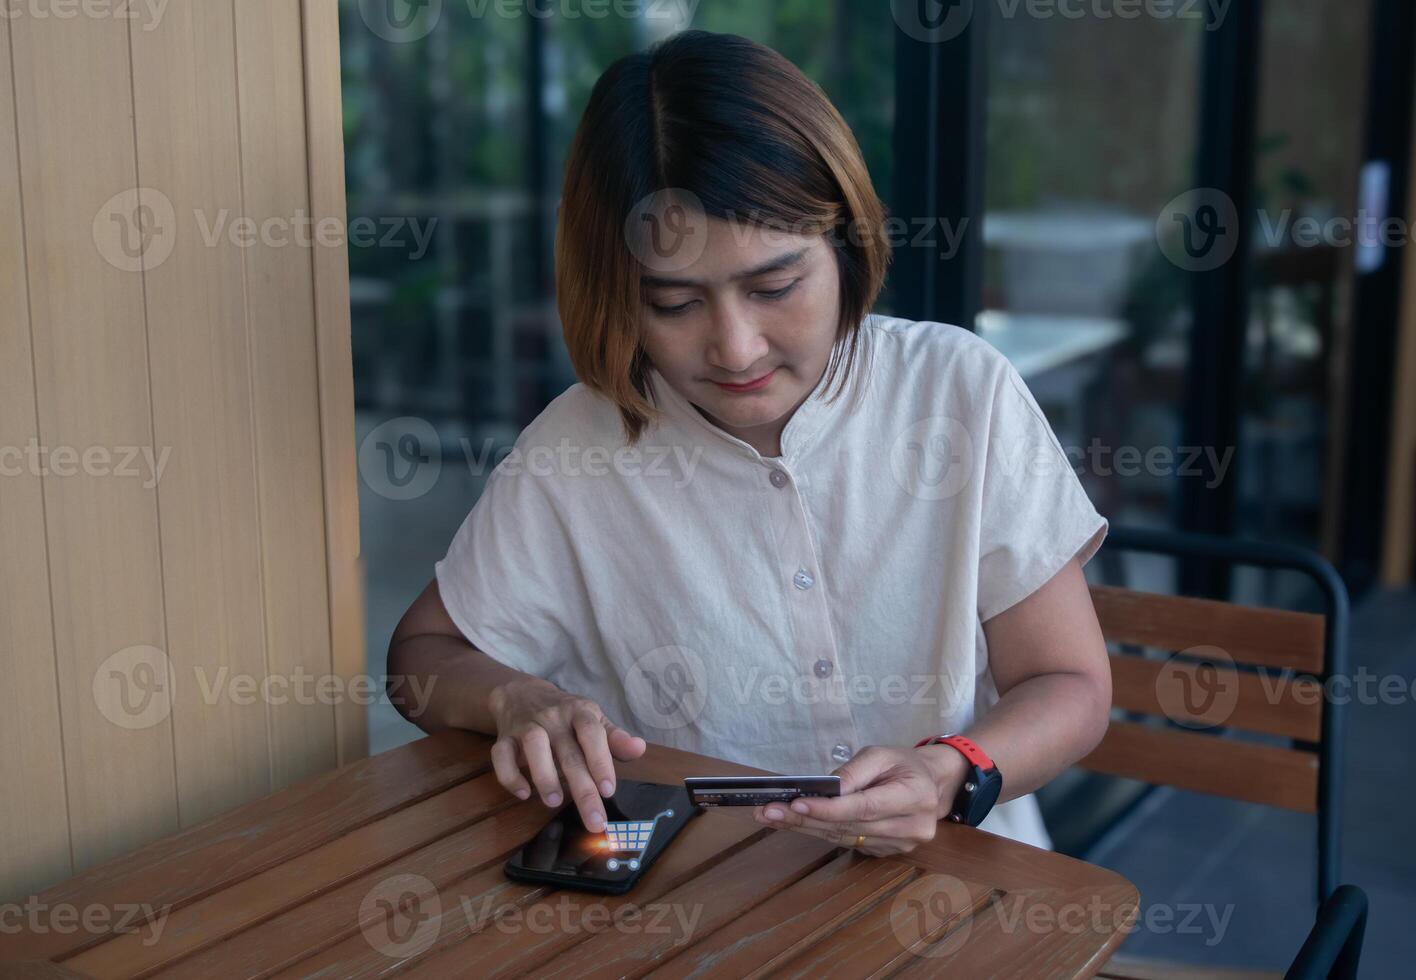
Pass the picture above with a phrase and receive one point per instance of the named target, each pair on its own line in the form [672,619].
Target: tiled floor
[1257,865]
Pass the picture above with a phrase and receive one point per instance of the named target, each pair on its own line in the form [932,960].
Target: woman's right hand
[546,729]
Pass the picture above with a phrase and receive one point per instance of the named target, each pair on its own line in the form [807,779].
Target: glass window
[1090,131]
[456,131]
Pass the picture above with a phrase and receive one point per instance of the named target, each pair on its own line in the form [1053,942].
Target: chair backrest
[1225,666]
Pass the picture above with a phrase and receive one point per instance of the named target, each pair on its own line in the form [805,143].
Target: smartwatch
[981,786]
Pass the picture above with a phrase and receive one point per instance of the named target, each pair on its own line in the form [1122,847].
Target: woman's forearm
[445,682]
[1040,727]
[1053,674]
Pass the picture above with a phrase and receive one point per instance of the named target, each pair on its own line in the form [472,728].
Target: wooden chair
[1213,680]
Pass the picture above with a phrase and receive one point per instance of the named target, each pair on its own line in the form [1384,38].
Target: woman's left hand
[890,795]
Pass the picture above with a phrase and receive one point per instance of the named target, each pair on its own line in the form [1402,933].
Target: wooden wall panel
[34,822]
[227,363]
[281,309]
[336,364]
[189,151]
[74,123]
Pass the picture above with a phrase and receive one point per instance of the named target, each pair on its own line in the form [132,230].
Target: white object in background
[1373,185]
[1037,343]
[1076,260]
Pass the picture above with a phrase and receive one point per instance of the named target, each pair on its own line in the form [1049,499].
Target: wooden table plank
[886,936]
[394,865]
[424,825]
[38,970]
[1009,865]
[360,952]
[178,870]
[803,914]
[337,920]
[488,900]
[1046,933]
[373,949]
[513,949]
[731,889]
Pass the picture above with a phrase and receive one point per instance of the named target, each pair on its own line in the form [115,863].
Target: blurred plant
[1159,294]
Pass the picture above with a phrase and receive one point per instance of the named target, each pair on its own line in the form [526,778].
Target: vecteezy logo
[136,229]
[932,916]
[401,21]
[134,687]
[933,458]
[401,458]
[401,916]
[932,21]
[1206,678]
[1198,230]
[1198,687]
[667,687]
[667,231]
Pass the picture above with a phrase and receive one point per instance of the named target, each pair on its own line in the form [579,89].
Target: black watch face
[977,804]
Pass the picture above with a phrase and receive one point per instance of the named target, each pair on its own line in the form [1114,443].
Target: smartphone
[641,819]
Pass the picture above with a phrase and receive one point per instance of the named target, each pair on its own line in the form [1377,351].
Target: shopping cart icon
[630,837]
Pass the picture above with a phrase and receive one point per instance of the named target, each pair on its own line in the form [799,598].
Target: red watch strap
[970,751]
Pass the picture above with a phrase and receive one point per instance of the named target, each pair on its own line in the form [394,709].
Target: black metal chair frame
[1334,945]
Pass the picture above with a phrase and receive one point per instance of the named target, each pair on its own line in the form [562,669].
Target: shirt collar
[812,418]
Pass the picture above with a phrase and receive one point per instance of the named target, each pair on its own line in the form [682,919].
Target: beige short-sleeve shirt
[780,612]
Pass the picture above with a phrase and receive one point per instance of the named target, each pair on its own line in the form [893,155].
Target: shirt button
[841,752]
[803,580]
[823,668]
[778,478]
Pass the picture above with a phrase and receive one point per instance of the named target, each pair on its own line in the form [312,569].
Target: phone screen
[641,818]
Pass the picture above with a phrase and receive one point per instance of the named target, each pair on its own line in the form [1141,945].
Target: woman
[765,526]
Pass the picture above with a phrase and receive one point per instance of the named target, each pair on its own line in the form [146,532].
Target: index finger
[582,790]
[595,743]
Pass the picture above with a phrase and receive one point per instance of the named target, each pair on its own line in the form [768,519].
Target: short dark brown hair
[739,126]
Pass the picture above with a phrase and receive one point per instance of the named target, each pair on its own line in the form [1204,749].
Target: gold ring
[860,839]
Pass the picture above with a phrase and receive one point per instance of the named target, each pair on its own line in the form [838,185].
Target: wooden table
[394,864]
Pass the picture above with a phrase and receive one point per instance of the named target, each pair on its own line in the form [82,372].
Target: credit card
[757,790]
